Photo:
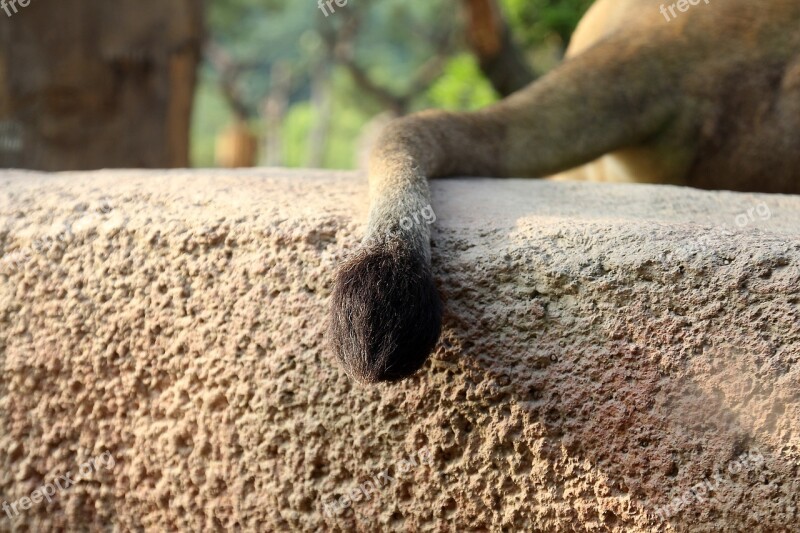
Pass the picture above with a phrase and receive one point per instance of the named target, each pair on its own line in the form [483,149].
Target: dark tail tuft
[386,314]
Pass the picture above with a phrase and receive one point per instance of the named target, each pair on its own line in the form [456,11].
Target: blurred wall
[87,84]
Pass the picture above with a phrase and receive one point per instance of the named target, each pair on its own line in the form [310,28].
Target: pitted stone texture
[606,348]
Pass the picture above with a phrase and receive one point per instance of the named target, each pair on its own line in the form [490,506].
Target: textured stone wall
[608,351]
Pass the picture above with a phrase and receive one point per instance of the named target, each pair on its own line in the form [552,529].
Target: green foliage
[462,86]
[535,21]
[211,116]
[346,123]
[347,120]
[295,134]
[395,39]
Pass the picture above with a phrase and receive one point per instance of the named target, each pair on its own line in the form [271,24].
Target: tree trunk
[321,104]
[499,58]
[275,107]
[87,84]
[236,147]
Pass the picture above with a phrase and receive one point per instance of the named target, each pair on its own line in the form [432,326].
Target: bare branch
[229,72]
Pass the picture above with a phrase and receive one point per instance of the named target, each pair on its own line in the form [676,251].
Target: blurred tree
[345,41]
[312,84]
[237,145]
[498,55]
[367,41]
[90,85]
[275,108]
[534,22]
[253,60]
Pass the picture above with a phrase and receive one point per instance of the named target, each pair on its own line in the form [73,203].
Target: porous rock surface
[606,348]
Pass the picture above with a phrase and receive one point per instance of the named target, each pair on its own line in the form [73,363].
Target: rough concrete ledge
[608,351]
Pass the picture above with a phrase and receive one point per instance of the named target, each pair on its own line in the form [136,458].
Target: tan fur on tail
[709,98]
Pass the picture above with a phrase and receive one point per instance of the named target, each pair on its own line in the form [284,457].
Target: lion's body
[707,96]
[740,91]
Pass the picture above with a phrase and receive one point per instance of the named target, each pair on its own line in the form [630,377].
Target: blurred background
[240,83]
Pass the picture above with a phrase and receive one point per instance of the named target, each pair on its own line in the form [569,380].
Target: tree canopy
[307,84]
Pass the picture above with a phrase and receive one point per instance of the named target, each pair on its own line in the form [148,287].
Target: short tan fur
[709,98]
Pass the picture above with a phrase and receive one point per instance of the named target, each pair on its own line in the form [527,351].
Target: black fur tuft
[386,314]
